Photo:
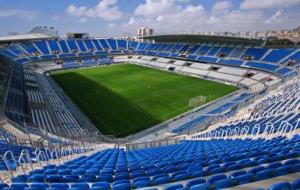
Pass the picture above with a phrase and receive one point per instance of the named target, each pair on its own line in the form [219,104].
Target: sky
[104,18]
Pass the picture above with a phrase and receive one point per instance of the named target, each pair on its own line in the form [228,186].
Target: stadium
[165,112]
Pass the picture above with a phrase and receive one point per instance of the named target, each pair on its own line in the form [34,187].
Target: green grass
[125,99]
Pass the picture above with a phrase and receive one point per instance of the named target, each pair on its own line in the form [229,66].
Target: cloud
[131,21]
[82,20]
[153,8]
[173,16]
[237,20]
[268,4]
[19,13]
[105,9]
[277,17]
[221,6]
[166,15]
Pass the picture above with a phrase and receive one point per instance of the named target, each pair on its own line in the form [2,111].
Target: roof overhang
[197,38]
[24,37]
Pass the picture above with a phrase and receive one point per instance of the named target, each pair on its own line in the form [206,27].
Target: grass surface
[124,99]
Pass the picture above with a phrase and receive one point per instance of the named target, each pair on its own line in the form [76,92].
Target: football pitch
[124,99]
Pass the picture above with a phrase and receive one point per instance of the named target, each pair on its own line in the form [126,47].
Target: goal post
[197,101]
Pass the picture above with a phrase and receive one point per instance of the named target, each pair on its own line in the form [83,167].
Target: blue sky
[116,17]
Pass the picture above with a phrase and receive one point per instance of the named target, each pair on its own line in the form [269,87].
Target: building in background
[142,32]
[77,35]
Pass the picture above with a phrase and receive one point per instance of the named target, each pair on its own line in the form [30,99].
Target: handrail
[42,157]
[48,153]
[6,162]
[24,158]
[56,155]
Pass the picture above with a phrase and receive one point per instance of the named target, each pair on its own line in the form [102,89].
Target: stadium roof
[23,37]
[197,38]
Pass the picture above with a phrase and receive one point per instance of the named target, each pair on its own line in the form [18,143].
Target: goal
[197,101]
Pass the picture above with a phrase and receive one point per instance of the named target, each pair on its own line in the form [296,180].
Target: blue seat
[296,184]
[264,160]
[140,179]
[264,174]
[213,166]
[81,186]
[245,178]
[101,185]
[153,171]
[2,185]
[274,165]
[238,173]
[121,186]
[39,186]
[214,178]
[97,188]
[250,163]
[181,176]
[37,171]
[17,186]
[37,178]
[224,183]
[78,172]
[137,173]
[104,177]
[195,182]
[54,178]
[142,183]
[256,169]
[283,170]
[20,179]
[50,171]
[203,186]
[296,167]
[281,186]
[87,178]
[173,187]
[291,162]
[159,176]
[62,186]
[200,173]
[64,172]
[161,180]
[169,169]
[121,176]
[234,167]
[121,181]
[70,178]
[292,155]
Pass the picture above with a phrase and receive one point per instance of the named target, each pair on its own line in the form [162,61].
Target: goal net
[197,101]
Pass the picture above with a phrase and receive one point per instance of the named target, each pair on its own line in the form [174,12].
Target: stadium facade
[246,139]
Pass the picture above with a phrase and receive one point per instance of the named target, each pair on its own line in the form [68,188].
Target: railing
[42,158]
[259,95]
[270,131]
[8,163]
[25,158]
[152,144]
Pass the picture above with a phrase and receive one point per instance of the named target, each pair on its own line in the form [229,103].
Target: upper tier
[284,62]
